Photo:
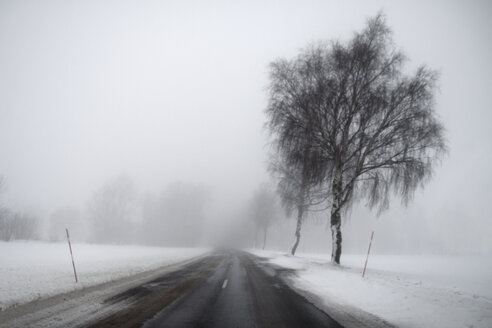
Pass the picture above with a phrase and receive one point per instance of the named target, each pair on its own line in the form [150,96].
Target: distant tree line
[172,218]
[116,214]
[111,210]
[16,225]
[175,217]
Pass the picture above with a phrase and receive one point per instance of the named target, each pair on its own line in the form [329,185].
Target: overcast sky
[175,90]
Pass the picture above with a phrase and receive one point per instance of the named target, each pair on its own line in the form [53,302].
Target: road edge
[19,314]
[346,315]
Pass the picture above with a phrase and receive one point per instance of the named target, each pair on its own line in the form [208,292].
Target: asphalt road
[227,289]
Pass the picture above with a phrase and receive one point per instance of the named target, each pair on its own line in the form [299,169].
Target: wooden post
[73,263]
[369,250]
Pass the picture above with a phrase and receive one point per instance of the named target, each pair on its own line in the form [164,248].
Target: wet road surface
[227,289]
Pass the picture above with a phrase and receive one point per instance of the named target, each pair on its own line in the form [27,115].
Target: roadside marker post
[71,255]
[368,251]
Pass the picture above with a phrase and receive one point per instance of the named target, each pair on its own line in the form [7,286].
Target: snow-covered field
[406,291]
[34,270]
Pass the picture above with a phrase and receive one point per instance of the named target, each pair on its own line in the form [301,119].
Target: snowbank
[406,291]
[33,270]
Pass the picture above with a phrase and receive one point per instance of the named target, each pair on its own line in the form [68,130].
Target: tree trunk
[335,220]
[265,236]
[256,238]
[298,230]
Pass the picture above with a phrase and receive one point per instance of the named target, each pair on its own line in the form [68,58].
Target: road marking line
[224,285]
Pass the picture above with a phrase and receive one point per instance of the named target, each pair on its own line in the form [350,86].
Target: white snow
[34,270]
[406,291]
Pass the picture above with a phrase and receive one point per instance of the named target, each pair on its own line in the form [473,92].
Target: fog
[172,93]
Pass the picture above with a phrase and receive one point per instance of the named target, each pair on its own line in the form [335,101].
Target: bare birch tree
[263,211]
[296,193]
[371,129]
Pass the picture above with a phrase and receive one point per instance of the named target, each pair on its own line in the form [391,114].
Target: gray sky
[175,90]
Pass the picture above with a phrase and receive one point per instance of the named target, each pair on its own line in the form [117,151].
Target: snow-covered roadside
[34,270]
[406,291]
